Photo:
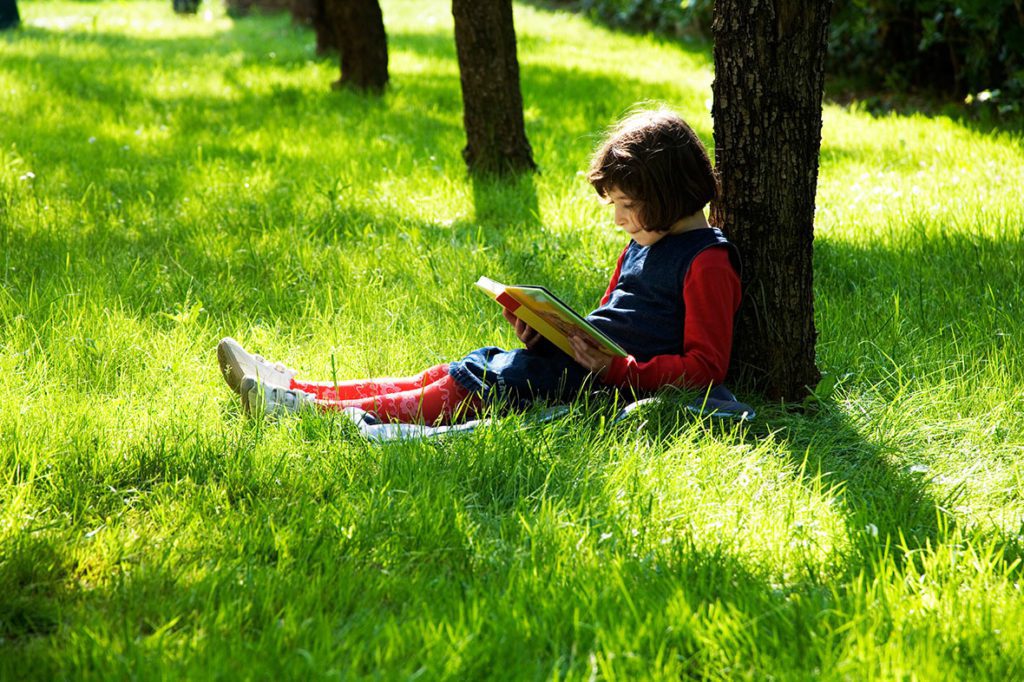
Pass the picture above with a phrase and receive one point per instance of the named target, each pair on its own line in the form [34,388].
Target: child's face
[627,217]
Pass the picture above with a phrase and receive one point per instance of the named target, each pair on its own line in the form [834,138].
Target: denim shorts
[519,377]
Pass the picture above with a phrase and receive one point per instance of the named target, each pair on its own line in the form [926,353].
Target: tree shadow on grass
[886,503]
[882,472]
[907,303]
[508,203]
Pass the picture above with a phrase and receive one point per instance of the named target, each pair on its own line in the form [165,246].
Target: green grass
[166,181]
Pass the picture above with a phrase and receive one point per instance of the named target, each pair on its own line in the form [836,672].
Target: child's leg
[436,402]
[368,388]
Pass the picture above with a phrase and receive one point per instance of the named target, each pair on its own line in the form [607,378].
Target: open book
[543,311]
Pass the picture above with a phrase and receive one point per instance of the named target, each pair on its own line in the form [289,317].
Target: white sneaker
[259,397]
[236,363]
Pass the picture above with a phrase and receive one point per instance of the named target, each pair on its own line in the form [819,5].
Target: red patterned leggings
[430,397]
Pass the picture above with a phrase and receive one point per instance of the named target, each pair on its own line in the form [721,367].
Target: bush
[973,46]
[185,6]
[670,17]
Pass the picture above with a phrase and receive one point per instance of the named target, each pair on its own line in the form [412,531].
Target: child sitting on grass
[670,304]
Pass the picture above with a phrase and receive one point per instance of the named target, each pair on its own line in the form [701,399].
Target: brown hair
[655,158]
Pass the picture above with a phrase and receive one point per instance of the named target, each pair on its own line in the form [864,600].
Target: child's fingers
[580,351]
[580,344]
[517,324]
[525,332]
[589,355]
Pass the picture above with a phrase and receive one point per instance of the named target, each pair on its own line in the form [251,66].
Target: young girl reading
[670,304]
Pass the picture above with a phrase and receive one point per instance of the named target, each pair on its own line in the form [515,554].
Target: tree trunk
[769,76]
[485,39]
[9,17]
[359,29]
[326,39]
[314,13]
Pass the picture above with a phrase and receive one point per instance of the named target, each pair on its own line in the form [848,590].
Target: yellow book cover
[545,312]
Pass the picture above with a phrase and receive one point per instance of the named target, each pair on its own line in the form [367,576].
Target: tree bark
[485,40]
[326,40]
[358,27]
[314,13]
[9,16]
[769,76]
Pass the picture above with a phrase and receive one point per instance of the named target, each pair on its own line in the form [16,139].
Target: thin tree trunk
[326,39]
[358,26]
[314,13]
[485,40]
[769,76]
[9,16]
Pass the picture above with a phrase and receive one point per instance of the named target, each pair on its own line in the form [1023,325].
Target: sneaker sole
[230,367]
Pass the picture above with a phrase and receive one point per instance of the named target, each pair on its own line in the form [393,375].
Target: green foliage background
[950,49]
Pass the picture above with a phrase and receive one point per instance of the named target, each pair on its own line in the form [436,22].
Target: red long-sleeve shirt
[711,295]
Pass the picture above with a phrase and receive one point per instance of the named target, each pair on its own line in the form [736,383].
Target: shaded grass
[166,181]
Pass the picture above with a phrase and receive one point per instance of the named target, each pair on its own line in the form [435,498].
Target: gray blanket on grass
[719,403]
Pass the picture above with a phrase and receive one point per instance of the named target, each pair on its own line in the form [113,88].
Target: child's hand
[589,355]
[527,334]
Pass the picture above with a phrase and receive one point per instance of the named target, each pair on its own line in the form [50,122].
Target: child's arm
[711,293]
